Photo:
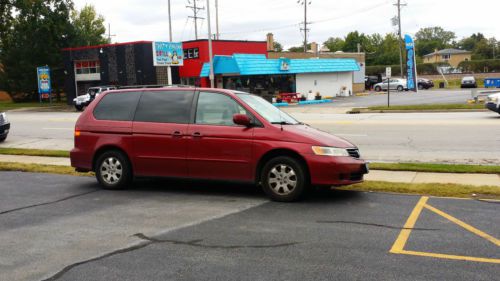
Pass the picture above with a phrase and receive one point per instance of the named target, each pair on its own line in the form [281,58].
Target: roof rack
[154,86]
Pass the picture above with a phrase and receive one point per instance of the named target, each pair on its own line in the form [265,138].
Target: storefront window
[87,67]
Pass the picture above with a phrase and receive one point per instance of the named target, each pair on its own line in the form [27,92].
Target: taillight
[77,133]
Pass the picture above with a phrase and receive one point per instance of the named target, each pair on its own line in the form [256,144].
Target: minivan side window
[165,107]
[117,106]
[217,109]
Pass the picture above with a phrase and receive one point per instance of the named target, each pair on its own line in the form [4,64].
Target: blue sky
[133,20]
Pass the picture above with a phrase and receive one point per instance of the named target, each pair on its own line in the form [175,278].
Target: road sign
[388,72]
[43,77]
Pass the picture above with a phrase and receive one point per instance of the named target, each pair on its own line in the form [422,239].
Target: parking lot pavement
[65,228]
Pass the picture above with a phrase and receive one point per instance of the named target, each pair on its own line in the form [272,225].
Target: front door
[160,133]
[218,148]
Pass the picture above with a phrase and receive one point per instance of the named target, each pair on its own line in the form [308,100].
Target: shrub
[480,66]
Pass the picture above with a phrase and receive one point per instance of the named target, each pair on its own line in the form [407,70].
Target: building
[196,54]
[257,74]
[323,53]
[123,64]
[452,56]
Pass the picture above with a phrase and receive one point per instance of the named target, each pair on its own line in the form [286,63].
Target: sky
[135,20]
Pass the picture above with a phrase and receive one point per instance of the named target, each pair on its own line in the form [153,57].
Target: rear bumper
[80,160]
[493,107]
[328,170]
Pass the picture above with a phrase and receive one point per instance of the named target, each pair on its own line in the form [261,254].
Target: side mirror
[242,119]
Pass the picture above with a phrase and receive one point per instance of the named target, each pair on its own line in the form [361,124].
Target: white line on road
[66,129]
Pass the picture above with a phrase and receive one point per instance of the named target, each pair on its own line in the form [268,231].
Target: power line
[399,5]
[195,16]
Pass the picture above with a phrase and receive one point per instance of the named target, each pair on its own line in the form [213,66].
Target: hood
[307,134]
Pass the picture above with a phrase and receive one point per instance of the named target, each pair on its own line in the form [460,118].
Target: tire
[113,170]
[420,86]
[378,89]
[79,107]
[2,139]
[284,179]
[400,88]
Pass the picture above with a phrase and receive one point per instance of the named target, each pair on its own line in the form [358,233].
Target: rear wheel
[284,179]
[420,86]
[113,170]
[400,88]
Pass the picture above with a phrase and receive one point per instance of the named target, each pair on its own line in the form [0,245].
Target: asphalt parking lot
[55,227]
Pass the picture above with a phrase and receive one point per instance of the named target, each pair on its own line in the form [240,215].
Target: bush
[422,69]
[480,66]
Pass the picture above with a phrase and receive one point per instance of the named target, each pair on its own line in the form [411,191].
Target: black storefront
[122,64]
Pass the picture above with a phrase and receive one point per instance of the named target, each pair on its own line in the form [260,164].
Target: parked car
[92,92]
[493,102]
[398,84]
[424,83]
[4,126]
[370,81]
[213,134]
[468,82]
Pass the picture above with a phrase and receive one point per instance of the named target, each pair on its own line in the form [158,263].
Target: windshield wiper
[283,123]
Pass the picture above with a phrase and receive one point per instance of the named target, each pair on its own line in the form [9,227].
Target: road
[459,137]
[55,227]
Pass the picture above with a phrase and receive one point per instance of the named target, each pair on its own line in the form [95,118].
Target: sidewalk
[374,175]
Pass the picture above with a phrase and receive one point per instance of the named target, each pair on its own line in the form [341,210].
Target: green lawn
[428,107]
[436,168]
[8,105]
[455,83]
[34,152]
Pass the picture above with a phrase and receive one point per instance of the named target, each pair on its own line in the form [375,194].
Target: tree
[89,27]
[430,38]
[352,40]
[277,47]
[385,51]
[40,29]
[299,49]
[334,44]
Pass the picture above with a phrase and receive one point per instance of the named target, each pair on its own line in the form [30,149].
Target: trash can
[441,85]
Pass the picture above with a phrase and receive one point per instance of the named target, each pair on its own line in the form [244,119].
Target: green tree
[352,40]
[334,44]
[299,49]
[40,29]
[430,38]
[277,47]
[385,51]
[89,27]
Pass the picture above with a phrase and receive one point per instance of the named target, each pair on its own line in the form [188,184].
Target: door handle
[197,134]
[176,134]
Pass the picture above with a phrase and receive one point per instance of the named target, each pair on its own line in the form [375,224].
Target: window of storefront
[87,67]
[191,53]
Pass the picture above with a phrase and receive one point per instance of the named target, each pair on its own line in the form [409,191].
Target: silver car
[398,84]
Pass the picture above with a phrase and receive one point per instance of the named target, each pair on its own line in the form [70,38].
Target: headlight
[329,151]
[4,118]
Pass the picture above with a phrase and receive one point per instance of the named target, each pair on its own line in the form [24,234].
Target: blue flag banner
[411,66]
[43,75]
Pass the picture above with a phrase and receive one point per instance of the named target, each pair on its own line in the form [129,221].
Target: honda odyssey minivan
[212,134]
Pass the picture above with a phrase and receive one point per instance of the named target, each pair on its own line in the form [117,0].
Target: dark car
[370,81]
[425,84]
[214,134]
[4,126]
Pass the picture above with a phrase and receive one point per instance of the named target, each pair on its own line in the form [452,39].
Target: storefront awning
[252,64]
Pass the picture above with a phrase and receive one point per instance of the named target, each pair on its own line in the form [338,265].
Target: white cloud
[133,20]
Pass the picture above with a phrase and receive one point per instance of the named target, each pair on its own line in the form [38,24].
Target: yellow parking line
[410,223]
[464,225]
[450,257]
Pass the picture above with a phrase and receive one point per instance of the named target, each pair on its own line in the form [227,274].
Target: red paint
[192,67]
[209,151]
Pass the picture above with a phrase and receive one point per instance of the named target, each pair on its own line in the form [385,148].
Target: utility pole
[169,23]
[211,62]
[217,19]
[195,16]
[400,38]
[109,33]
[305,3]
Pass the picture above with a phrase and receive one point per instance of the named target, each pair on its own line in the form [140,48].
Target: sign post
[44,88]
[168,54]
[388,74]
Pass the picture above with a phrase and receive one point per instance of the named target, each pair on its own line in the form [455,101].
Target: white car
[493,102]
[398,84]
[84,100]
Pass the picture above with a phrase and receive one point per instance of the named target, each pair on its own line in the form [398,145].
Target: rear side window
[117,106]
[165,107]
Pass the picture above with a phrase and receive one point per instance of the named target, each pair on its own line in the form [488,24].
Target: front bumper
[4,130]
[493,107]
[336,171]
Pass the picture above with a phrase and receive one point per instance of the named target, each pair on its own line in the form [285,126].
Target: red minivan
[208,134]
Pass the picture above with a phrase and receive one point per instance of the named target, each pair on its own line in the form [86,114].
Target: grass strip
[436,168]
[429,107]
[7,105]
[34,152]
[432,189]
[38,168]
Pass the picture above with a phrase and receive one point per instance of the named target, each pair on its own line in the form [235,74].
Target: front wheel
[79,107]
[2,139]
[400,88]
[420,86]
[284,179]
[378,89]
[113,170]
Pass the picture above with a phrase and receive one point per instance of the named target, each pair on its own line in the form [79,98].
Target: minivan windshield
[267,110]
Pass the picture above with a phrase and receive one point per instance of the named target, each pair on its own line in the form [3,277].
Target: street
[66,228]
[453,137]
